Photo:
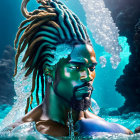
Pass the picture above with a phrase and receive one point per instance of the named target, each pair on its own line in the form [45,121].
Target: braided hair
[40,34]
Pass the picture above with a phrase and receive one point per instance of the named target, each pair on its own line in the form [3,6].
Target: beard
[85,102]
[80,105]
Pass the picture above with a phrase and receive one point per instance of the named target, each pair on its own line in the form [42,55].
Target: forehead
[83,53]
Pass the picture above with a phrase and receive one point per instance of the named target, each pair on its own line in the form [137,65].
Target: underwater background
[108,99]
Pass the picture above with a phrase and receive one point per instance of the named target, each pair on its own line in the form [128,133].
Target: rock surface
[126,14]
[137,130]
[6,74]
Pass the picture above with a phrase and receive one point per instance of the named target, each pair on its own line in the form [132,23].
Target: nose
[85,75]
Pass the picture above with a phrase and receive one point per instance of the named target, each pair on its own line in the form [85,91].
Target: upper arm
[127,131]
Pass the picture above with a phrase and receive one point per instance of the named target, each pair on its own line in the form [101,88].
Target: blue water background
[104,84]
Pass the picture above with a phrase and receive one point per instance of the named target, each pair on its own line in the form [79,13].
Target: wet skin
[75,72]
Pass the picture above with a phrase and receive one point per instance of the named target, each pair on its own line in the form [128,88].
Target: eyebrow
[82,63]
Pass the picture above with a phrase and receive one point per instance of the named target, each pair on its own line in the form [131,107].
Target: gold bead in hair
[48,72]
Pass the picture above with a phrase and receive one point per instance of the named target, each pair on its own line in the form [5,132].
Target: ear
[49,71]
[53,72]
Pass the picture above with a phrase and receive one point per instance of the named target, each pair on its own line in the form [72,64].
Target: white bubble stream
[103,29]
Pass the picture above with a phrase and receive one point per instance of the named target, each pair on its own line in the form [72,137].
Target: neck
[56,108]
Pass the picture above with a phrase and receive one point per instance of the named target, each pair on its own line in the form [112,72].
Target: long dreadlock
[46,27]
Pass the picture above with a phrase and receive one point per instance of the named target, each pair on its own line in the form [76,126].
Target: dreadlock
[46,27]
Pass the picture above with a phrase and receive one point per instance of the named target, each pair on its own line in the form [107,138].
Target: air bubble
[102,61]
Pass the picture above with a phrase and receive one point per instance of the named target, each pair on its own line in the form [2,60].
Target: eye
[75,67]
[92,68]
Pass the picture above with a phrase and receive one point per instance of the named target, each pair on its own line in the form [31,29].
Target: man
[59,51]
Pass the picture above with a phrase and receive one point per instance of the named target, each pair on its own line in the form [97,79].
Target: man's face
[75,74]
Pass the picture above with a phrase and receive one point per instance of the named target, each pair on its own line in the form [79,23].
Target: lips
[83,85]
[83,91]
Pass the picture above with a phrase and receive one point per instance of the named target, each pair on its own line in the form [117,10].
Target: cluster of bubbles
[62,51]
[95,107]
[103,29]
[22,86]
[103,61]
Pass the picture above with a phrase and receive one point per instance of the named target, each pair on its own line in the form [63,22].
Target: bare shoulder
[125,129]
[33,115]
[90,115]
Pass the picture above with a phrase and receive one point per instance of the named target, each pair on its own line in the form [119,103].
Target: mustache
[83,85]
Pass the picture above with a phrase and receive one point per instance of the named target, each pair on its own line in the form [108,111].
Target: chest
[52,128]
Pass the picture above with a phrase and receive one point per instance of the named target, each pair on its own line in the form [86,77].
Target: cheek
[71,75]
[65,81]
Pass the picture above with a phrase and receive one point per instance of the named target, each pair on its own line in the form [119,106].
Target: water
[105,137]
[4,109]
[130,120]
